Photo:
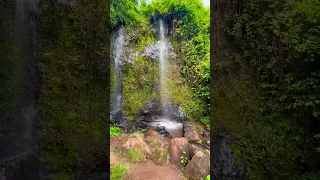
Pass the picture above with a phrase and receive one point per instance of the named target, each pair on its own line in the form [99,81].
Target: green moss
[159,157]
[75,89]
[137,85]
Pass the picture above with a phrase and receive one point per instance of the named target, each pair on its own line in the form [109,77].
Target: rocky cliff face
[152,51]
[23,167]
[52,73]
[225,166]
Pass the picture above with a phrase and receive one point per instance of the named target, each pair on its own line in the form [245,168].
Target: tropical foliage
[266,84]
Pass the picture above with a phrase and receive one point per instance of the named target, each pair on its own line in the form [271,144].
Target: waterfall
[172,126]
[117,52]
[19,119]
[24,68]
[163,54]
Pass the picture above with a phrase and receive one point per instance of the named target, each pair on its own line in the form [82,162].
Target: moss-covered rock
[160,156]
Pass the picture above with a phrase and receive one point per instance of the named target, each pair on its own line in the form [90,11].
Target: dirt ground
[146,170]
[151,171]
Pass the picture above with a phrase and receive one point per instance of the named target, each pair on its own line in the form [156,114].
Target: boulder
[178,113]
[22,167]
[198,167]
[179,147]
[160,156]
[152,107]
[196,148]
[116,117]
[206,133]
[153,135]
[190,132]
[225,167]
[138,143]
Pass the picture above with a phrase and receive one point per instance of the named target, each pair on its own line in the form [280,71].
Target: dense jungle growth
[266,84]
[68,65]
[188,71]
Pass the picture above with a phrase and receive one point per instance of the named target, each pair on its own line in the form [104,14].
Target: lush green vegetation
[115,131]
[266,84]
[189,72]
[124,12]
[65,74]
[118,172]
[74,92]
[132,155]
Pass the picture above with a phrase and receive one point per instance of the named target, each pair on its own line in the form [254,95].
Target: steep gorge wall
[141,70]
[74,52]
[68,71]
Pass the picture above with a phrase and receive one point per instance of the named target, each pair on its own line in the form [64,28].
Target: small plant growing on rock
[207,155]
[184,160]
[207,178]
[156,143]
[135,134]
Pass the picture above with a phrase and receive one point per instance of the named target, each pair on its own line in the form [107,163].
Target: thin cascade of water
[118,52]
[116,99]
[163,54]
[18,122]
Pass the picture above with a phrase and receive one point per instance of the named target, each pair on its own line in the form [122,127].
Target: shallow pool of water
[175,129]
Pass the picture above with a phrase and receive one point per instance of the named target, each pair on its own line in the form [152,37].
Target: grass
[115,131]
[112,148]
[133,155]
[136,133]
[118,171]
[156,143]
[207,178]
[206,121]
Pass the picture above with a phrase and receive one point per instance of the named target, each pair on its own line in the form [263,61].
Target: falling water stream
[174,128]
[116,114]
[163,54]
[117,70]
[162,120]
[19,121]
